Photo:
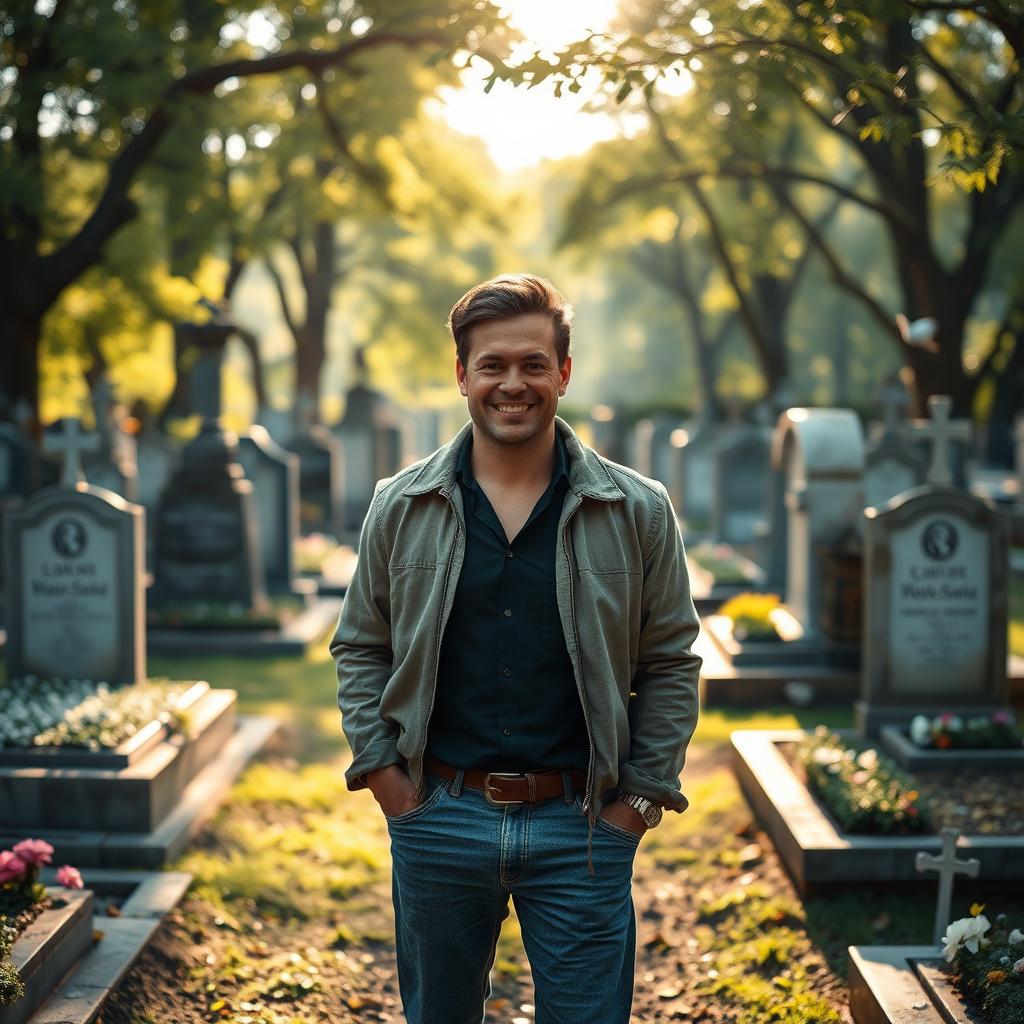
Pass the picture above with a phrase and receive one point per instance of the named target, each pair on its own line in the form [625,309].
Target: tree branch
[286,310]
[58,269]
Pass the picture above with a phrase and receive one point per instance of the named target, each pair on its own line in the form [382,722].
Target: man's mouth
[512,408]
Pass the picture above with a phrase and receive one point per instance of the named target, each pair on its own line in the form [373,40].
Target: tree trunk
[20,335]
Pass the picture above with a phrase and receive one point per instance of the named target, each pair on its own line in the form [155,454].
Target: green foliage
[866,792]
[12,988]
[721,561]
[751,616]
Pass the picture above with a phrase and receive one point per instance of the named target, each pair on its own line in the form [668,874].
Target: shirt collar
[464,466]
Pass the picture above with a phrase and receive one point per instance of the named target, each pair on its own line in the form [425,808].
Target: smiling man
[516,680]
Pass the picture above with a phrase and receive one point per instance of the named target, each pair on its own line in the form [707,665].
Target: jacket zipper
[437,652]
[576,644]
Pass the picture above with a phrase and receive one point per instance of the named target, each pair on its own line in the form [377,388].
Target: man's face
[513,380]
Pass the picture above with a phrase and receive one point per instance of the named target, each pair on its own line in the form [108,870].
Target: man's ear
[460,376]
[564,373]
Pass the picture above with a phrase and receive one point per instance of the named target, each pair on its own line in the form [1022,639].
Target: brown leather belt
[501,788]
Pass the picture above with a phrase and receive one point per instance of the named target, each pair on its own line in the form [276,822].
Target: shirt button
[506,732]
[506,671]
[508,613]
[510,553]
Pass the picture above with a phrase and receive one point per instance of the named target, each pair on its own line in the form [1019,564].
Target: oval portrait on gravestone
[69,538]
[940,540]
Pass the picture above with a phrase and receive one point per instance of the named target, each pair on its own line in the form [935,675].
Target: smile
[512,408]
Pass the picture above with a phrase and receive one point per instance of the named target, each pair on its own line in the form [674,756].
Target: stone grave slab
[903,750]
[140,847]
[134,798]
[815,852]
[886,988]
[47,949]
[724,684]
[294,639]
[78,997]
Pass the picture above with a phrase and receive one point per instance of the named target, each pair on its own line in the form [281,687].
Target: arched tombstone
[822,455]
[75,594]
[274,474]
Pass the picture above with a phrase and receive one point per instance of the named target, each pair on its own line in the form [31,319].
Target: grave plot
[719,572]
[109,766]
[75,952]
[223,574]
[816,850]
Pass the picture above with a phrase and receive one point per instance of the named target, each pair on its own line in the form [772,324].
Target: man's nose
[513,382]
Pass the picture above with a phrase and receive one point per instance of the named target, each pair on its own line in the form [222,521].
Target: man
[516,680]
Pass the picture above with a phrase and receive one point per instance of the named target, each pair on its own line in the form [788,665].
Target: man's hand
[392,789]
[618,813]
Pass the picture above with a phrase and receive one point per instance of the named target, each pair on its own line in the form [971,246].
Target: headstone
[641,440]
[158,457]
[741,466]
[372,443]
[822,452]
[608,430]
[321,473]
[274,474]
[893,462]
[75,598]
[936,571]
[694,456]
[207,536]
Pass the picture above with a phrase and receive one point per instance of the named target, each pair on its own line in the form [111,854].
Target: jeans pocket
[421,808]
[620,833]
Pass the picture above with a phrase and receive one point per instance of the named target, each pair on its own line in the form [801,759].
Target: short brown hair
[508,296]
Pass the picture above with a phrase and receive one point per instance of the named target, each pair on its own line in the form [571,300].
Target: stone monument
[75,597]
[207,538]
[321,472]
[893,462]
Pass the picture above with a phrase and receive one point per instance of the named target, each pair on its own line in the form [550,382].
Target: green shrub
[751,616]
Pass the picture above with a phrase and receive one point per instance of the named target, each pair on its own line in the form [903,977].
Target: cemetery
[792,237]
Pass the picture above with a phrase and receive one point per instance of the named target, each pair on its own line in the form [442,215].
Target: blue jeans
[457,859]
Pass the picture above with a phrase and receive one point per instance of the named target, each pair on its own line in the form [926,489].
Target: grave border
[885,985]
[902,749]
[810,847]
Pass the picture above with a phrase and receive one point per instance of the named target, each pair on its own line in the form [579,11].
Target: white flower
[921,731]
[1018,967]
[966,932]
[1016,936]
[826,755]
[868,760]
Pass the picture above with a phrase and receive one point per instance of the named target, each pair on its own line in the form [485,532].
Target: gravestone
[75,598]
[694,457]
[321,474]
[207,536]
[372,443]
[893,463]
[741,467]
[822,454]
[641,440]
[158,456]
[274,474]
[936,571]
[608,430]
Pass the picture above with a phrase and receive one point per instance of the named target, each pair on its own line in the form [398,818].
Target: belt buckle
[500,775]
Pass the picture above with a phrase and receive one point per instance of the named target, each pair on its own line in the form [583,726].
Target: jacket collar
[588,475]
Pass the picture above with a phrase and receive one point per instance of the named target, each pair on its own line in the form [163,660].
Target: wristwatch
[650,812]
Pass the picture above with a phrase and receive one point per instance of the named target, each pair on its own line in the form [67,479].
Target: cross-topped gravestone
[71,443]
[948,867]
[940,430]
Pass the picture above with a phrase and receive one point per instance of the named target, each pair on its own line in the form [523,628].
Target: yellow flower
[976,909]
[994,977]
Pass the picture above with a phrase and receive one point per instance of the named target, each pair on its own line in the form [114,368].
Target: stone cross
[947,866]
[941,430]
[71,442]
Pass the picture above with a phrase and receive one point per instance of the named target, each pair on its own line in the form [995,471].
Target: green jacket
[625,604]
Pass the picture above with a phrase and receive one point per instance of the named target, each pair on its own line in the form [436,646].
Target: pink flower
[34,851]
[1003,717]
[69,877]
[11,866]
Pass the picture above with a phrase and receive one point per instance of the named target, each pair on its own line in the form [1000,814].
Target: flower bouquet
[997,731]
[989,964]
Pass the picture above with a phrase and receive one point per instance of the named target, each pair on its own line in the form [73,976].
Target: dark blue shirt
[506,694]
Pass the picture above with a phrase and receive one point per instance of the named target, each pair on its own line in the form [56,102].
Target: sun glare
[522,127]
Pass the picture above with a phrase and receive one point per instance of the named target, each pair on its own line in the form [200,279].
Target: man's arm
[663,712]
[361,648]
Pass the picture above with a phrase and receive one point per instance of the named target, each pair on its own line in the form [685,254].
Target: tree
[918,92]
[106,83]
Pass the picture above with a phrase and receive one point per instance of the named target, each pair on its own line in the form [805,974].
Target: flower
[1018,967]
[33,852]
[69,877]
[868,759]
[1003,717]
[966,932]
[827,755]
[11,866]
[921,731]
[1016,936]
[994,977]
